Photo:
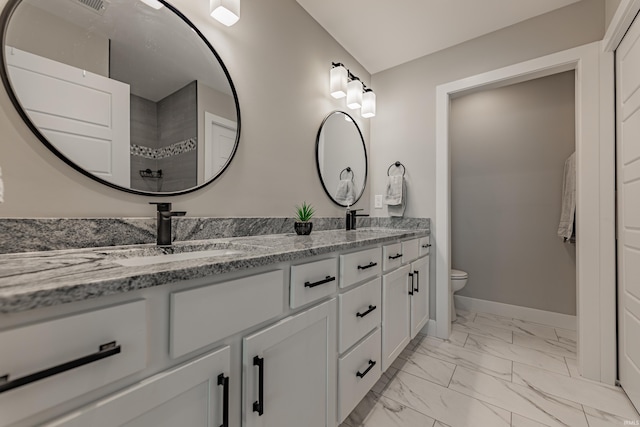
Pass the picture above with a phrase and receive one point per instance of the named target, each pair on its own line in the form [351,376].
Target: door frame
[595,194]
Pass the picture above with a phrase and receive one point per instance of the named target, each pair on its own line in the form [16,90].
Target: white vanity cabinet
[193,394]
[396,314]
[420,296]
[289,371]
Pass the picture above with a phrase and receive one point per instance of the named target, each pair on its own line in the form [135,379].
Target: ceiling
[382,34]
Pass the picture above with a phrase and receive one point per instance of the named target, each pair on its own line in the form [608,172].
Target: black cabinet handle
[366,371]
[411,284]
[258,405]
[371,264]
[427,246]
[396,256]
[371,308]
[224,382]
[104,351]
[321,282]
[417,274]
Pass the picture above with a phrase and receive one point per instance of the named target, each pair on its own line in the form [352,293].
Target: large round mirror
[341,158]
[128,92]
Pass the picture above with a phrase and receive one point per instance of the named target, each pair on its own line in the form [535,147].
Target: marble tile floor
[492,371]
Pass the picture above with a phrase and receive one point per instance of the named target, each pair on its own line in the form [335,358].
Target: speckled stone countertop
[31,280]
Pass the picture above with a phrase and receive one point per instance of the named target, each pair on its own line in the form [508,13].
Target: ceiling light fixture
[225,11]
[343,82]
[153,3]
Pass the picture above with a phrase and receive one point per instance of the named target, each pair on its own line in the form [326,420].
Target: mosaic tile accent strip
[164,152]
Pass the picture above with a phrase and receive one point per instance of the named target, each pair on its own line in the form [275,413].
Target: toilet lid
[458,274]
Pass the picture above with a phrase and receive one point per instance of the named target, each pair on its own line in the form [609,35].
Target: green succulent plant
[305,212]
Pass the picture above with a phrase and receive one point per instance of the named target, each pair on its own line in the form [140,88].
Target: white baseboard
[557,320]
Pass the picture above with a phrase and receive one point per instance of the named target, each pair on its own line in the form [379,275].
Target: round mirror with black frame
[127,92]
[341,158]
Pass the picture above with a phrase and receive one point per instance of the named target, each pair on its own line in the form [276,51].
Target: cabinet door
[396,307]
[192,394]
[289,371]
[420,298]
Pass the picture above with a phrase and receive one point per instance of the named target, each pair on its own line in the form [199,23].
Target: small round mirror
[341,158]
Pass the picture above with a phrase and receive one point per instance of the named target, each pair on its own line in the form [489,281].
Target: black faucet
[164,222]
[351,218]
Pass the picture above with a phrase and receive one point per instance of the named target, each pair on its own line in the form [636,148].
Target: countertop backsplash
[42,234]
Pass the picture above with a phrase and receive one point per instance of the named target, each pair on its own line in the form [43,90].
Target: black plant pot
[303,228]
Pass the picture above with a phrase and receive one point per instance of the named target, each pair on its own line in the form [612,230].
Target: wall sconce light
[153,3]
[225,11]
[344,83]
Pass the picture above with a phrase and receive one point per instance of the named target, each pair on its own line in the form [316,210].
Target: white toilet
[458,280]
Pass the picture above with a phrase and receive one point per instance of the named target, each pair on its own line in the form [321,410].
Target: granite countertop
[39,279]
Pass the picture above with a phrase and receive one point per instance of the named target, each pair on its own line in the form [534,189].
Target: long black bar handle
[396,256]
[411,284]
[427,246]
[258,405]
[366,371]
[321,282]
[224,382]
[371,264]
[371,308]
[417,274]
[104,351]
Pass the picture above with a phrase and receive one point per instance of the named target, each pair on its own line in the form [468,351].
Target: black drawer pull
[321,282]
[427,246]
[371,308]
[258,405]
[417,274]
[371,264]
[411,284]
[396,256]
[104,351]
[224,382]
[366,371]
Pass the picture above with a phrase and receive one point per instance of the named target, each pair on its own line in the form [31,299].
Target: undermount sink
[150,255]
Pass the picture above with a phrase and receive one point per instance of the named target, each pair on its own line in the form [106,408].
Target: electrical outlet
[378,201]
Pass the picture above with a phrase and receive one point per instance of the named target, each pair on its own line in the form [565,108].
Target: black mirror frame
[366,160]
[7,12]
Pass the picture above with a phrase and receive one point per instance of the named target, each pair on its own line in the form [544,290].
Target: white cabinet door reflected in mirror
[341,158]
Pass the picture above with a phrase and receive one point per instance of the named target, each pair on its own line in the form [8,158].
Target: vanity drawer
[312,281]
[410,250]
[358,371]
[202,316]
[360,313]
[425,245]
[391,256]
[358,266]
[31,349]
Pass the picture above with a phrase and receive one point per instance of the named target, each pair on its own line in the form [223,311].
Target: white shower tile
[484,330]
[426,367]
[440,424]
[598,418]
[458,338]
[567,336]
[534,404]
[602,397]
[528,356]
[563,349]
[465,316]
[514,325]
[441,403]
[572,364]
[378,411]
[518,420]
[465,357]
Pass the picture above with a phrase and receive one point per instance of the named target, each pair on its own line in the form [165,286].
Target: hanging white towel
[346,193]
[567,216]
[1,188]
[396,195]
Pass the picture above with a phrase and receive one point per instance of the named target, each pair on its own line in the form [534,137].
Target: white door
[396,308]
[420,297]
[220,139]
[83,115]
[289,371]
[193,394]
[628,171]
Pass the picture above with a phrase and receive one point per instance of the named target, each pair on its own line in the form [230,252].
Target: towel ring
[397,164]
[347,170]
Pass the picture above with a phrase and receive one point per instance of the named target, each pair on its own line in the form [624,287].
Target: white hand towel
[1,188]
[567,216]
[398,210]
[394,190]
[346,193]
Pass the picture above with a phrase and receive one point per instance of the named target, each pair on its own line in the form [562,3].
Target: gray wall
[610,9]
[144,131]
[279,59]
[508,148]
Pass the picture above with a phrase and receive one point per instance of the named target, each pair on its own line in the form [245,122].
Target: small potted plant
[304,214]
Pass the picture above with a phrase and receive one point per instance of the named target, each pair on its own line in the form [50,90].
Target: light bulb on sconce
[368,104]
[338,80]
[153,3]
[344,83]
[225,11]
[354,94]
